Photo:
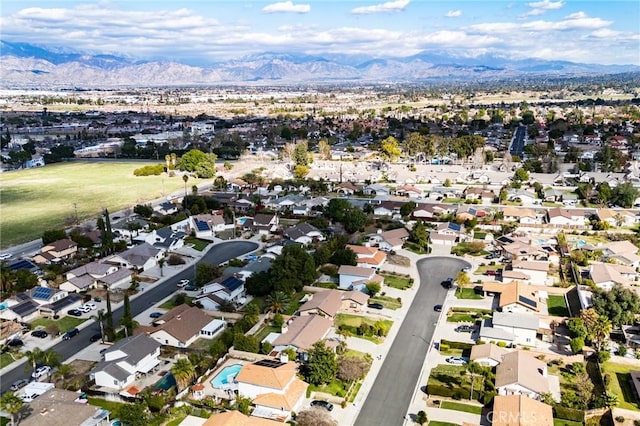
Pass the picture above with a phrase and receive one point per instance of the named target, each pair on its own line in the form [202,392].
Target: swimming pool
[579,243]
[167,382]
[226,376]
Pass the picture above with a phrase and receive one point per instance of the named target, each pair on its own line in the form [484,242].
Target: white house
[304,233]
[182,325]
[356,277]
[606,275]
[273,387]
[510,328]
[368,257]
[124,360]
[487,354]
[141,257]
[566,217]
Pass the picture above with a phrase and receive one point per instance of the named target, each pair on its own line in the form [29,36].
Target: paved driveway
[390,396]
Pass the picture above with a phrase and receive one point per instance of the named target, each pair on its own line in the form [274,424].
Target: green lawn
[335,387]
[42,198]
[6,358]
[451,376]
[557,306]
[457,406]
[561,422]
[468,293]
[64,323]
[620,384]
[112,406]
[397,281]
[264,332]
[482,269]
[353,322]
[170,305]
[387,302]
[197,243]
[294,304]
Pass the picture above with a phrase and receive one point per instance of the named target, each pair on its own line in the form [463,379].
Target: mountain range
[24,65]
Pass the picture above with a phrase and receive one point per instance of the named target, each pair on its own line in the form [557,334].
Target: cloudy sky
[605,32]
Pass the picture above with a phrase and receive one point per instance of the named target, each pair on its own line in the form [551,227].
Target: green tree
[243,404]
[462,278]
[415,143]
[300,171]
[133,414]
[576,344]
[184,372]
[419,234]
[373,288]
[127,319]
[33,356]
[620,305]
[624,195]
[185,179]
[52,235]
[278,301]
[521,175]
[206,272]
[322,365]
[421,418]
[301,154]
[245,343]
[600,332]
[407,209]
[325,149]
[12,404]
[292,269]
[344,256]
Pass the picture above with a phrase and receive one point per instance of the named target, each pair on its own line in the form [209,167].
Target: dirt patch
[396,259]
[77,376]
[102,294]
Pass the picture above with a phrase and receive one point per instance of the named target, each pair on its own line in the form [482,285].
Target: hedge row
[440,390]
[455,345]
[568,414]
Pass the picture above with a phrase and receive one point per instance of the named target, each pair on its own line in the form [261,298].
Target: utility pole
[75,208]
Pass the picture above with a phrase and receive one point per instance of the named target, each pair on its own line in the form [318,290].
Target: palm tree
[10,403]
[33,358]
[184,372]
[161,263]
[99,317]
[278,301]
[185,178]
[600,332]
[62,372]
[50,358]
[474,370]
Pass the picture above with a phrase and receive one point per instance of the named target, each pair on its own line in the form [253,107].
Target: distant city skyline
[599,32]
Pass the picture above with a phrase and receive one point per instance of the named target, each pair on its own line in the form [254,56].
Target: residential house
[304,233]
[355,277]
[468,212]
[520,373]
[140,258]
[225,289]
[390,240]
[487,354]
[368,257]
[56,251]
[166,208]
[328,303]
[273,387]
[447,233]
[536,270]
[517,297]
[241,205]
[182,325]
[263,263]
[167,239]
[527,198]
[236,418]
[520,410]
[510,328]
[206,225]
[409,191]
[61,306]
[376,189]
[288,202]
[60,407]
[263,224]
[566,217]
[524,216]
[301,332]
[522,250]
[483,195]
[20,308]
[95,275]
[428,211]
[346,188]
[125,360]
[606,275]
[623,252]
[387,208]
[616,218]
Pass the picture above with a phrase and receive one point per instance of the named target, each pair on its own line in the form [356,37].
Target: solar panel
[42,293]
[232,283]
[201,225]
[528,301]
[454,226]
[270,363]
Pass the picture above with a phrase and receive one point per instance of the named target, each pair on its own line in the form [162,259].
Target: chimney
[179,317]
[284,358]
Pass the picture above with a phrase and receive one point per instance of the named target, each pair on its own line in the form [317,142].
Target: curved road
[218,254]
[390,396]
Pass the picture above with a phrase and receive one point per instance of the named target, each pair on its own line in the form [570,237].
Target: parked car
[97,299]
[70,333]
[74,312]
[448,283]
[41,371]
[84,309]
[156,314]
[20,383]
[90,305]
[491,273]
[323,404]
[466,269]
[40,333]
[191,288]
[465,329]
[375,306]
[15,343]
[95,337]
[28,398]
[5,256]
[456,360]
[437,308]
[183,283]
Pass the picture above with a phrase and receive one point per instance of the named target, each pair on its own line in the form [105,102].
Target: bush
[455,345]
[568,414]
[622,350]
[502,345]
[174,259]
[620,419]
[488,397]
[151,170]
[603,356]
[444,347]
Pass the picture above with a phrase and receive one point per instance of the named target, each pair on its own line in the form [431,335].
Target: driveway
[389,398]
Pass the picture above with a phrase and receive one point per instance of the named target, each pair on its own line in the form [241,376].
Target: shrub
[568,414]
[622,350]
[488,397]
[455,345]
[620,419]
[603,356]
[502,344]
[444,347]
[174,259]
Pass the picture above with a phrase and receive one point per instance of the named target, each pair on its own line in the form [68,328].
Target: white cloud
[453,13]
[577,15]
[576,22]
[390,6]
[286,7]
[546,5]
[533,12]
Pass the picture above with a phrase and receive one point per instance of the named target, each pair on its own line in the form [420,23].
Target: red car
[491,273]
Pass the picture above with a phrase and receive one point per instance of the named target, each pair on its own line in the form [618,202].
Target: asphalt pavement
[391,394]
[217,254]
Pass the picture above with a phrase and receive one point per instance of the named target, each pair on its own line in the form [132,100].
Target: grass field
[621,384]
[397,281]
[64,323]
[38,199]
[387,302]
[468,293]
[557,306]
[457,406]
[561,422]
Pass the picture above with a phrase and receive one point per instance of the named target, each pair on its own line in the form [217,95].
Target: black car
[465,329]
[156,314]
[375,306]
[70,333]
[15,343]
[448,283]
[324,404]
[74,312]
[96,337]
[437,308]
[40,333]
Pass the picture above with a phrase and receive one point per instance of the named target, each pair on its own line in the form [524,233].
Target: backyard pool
[167,382]
[226,376]
[578,243]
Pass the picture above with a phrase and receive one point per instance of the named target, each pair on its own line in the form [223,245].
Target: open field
[621,384]
[38,199]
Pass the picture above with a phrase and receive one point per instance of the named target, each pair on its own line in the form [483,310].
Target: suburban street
[219,253]
[392,391]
